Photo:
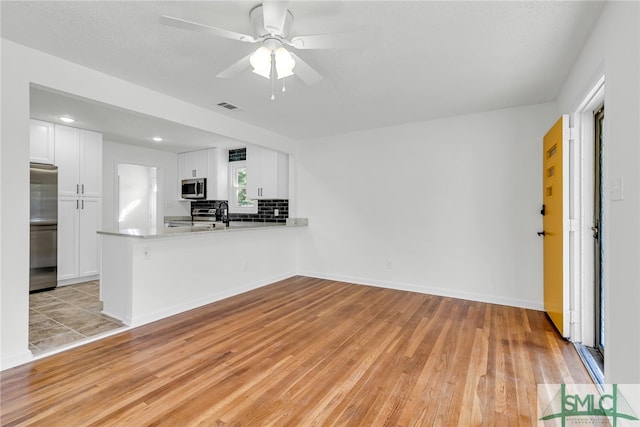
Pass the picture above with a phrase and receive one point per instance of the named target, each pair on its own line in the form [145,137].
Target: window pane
[242,198]
[241,176]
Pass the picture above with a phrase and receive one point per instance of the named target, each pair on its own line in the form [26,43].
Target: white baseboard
[77,280]
[443,292]
[15,360]
[152,317]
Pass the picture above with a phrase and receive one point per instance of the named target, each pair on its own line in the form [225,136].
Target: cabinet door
[254,172]
[267,174]
[88,236]
[41,142]
[192,164]
[66,155]
[90,163]
[269,183]
[217,174]
[68,214]
[201,163]
[182,168]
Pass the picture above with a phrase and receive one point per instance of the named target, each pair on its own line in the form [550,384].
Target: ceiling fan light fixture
[284,63]
[261,62]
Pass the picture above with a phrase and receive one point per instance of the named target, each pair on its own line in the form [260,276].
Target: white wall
[20,67]
[210,266]
[614,48]
[167,164]
[453,204]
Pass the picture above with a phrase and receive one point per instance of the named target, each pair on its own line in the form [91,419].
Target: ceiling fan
[271,21]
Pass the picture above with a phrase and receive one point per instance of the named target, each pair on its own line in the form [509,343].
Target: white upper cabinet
[41,142]
[211,164]
[78,154]
[267,174]
[90,163]
[193,164]
[217,178]
[67,157]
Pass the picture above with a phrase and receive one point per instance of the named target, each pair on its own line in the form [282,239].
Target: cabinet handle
[83,205]
[77,189]
[82,188]
[77,204]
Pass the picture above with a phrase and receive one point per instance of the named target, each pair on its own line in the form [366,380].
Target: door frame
[582,181]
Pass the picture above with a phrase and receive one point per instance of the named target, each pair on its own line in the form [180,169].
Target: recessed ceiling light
[67,119]
[157,139]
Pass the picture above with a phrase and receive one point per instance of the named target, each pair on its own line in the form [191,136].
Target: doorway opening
[598,255]
[137,197]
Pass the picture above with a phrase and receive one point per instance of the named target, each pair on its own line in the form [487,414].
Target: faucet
[224,212]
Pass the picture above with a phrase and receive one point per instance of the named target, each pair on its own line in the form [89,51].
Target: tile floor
[66,314]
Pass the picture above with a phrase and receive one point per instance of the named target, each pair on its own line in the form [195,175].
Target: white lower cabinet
[68,241]
[89,246]
[78,246]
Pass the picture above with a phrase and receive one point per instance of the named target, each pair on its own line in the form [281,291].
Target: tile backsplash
[265,210]
[238,155]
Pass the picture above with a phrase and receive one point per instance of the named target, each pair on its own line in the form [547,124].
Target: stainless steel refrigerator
[43,222]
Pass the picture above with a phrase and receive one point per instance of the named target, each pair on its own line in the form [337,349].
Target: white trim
[568,151]
[76,280]
[429,290]
[15,360]
[583,286]
[232,191]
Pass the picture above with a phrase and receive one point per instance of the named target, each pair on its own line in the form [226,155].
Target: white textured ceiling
[427,60]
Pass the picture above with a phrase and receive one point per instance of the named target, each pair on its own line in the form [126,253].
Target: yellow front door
[554,211]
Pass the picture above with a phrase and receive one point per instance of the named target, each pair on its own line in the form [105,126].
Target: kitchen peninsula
[151,274]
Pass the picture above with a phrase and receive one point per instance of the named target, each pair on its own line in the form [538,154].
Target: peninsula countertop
[169,232]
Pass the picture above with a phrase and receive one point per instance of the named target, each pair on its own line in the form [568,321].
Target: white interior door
[137,196]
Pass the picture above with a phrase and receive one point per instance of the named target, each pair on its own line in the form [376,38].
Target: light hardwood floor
[304,352]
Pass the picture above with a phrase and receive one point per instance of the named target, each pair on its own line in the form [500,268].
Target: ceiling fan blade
[194,26]
[332,41]
[304,71]
[274,13]
[235,69]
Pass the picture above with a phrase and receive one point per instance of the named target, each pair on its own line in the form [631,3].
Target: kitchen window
[238,201]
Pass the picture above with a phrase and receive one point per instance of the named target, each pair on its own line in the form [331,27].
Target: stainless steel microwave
[194,188]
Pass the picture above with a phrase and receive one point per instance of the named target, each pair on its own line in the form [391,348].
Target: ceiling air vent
[227,106]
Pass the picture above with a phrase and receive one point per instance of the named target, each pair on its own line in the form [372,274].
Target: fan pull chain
[273,84]
[273,72]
